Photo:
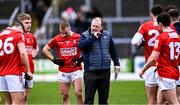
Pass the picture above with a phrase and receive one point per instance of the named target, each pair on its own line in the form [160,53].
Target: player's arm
[35,47]
[24,57]
[137,39]
[85,43]
[150,62]
[35,51]
[46,51]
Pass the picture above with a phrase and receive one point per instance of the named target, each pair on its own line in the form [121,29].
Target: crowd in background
[79,20]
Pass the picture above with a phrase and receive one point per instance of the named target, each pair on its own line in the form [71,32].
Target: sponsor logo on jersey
[68,51]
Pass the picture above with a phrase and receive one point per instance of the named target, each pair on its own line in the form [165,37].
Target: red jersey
[30,45]
[168,44]
[10,59]
[172,26]
[67,50]
[149,30]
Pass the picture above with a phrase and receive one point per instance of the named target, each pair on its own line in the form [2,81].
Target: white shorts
[166,83]
[11,83]
[69,77]
[150,77]
[29,82]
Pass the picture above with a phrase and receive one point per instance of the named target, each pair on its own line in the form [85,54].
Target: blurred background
[122,19]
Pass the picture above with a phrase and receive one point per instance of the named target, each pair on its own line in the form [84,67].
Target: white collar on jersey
[168,29]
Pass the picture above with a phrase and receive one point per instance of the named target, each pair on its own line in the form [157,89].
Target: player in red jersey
[146,35]
[12,56]
[176,23]
[172,11]
[166,54]
[69,61]
[31,47]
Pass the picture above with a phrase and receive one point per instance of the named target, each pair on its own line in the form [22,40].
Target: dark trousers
[96,80]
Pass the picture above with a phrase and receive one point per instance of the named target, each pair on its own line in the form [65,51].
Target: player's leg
[26,95]
[65,83]
[17,97]
[8,98]
[168,89]
[152,94]
[178,92]
[170,96]
[151,85]
[27,90]
[65,92]
[78,90]
[28,84]
[77,83]
[16,88]
[178,89]
[160,98]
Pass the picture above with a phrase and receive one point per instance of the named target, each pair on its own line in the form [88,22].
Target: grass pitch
[121,92]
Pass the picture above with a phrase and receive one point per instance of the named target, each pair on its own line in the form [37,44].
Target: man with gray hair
[98,50]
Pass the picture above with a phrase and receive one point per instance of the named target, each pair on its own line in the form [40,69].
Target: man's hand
[141,73]
[28,76]
[97,34]
[116,71]
[77,61]
[58,61]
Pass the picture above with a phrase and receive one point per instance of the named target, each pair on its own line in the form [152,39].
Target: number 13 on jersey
[174,50]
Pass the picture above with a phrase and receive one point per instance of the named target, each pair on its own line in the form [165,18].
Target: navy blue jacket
[98,52]
[177,26]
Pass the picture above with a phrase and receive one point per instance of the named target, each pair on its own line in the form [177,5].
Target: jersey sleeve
[51,44]
[35,42]
[141,29]
[137,38]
